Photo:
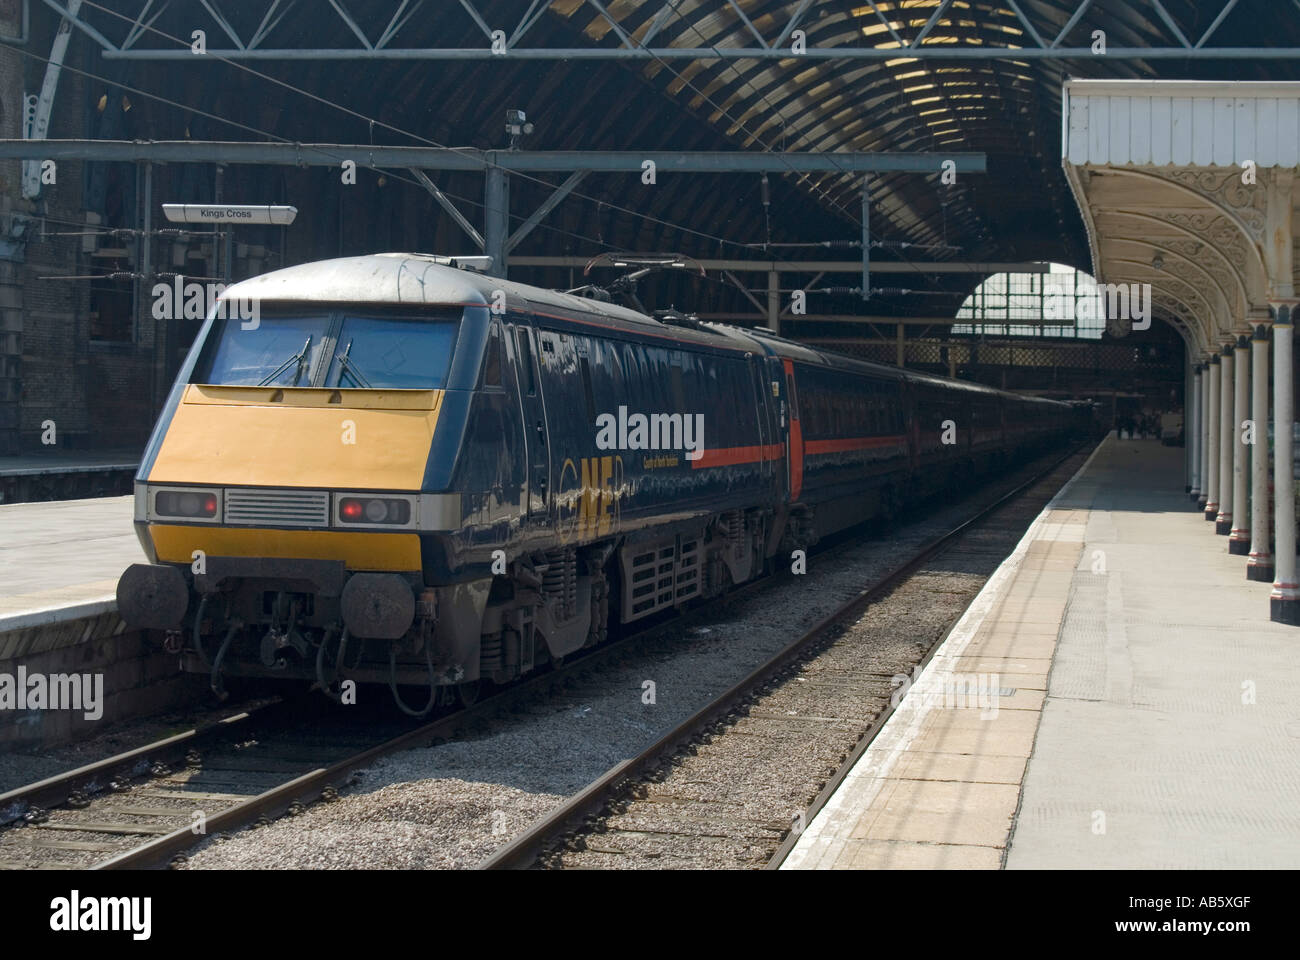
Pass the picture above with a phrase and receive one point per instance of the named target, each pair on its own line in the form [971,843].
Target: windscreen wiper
[349,367]
[299,358]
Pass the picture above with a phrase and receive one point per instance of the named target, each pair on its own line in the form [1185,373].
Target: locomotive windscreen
[343,349]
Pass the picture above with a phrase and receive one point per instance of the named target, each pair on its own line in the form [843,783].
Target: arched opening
[1064,302]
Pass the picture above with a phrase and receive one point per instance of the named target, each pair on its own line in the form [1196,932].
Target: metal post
[1284,601]
[1192,431]
[496,218]
[218,194]
[1212,418]
[1203,436]
[1223,519]
[138,284]
[1259,566]
[146,253]
[774,301]
[1239,535]
[1188,392]
[468,158]
[866,240]
[902,347]
[162,328]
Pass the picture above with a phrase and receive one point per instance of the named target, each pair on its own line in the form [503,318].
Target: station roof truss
[834,77]
[694,30]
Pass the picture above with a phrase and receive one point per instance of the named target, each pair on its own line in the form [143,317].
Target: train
[395,470]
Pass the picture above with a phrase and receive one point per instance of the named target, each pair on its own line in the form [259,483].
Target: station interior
[1091,201]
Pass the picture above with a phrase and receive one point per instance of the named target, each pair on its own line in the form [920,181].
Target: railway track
[148,807]
[143,806]
[797,723]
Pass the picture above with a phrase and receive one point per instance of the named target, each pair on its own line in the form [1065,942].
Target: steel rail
[309,786]
[55,790]
[523,850]
[861,747]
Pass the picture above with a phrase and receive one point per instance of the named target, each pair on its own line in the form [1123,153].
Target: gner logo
[590,497]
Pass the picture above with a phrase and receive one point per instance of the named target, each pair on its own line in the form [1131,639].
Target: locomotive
[409,473]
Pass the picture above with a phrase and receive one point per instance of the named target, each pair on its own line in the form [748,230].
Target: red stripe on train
[734,456]
[851,443]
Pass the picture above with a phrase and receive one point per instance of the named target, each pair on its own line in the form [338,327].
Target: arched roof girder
[1227,304]
[1256,271]
[1178,289]
[1144,220]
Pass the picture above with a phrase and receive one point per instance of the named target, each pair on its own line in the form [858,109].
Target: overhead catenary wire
[740,123]
[900,245]
[388,172]
[373,122]
[406,133]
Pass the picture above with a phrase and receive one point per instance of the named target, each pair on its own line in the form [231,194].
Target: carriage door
[794,432]
[537,450]
[764,403]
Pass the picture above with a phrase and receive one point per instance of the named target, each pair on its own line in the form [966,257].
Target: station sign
[229,213]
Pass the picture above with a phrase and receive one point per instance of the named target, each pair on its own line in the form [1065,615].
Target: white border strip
[901,729]
[58,613]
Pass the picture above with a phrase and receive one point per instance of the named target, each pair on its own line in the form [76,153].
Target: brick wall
[97,394]
[11,319]
[117,386]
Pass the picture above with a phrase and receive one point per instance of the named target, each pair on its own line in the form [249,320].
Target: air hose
[392,682]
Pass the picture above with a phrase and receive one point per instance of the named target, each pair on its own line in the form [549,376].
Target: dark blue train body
[524,468]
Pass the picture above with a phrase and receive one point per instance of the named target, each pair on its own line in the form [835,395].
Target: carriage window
[586,389]
[526,362]
[678,388]
[330,349]
[280,351]
[390,352]
[492,363]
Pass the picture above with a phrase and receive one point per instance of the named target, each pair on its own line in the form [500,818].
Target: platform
[1112,699]
[66,475]
[32,464]
[59,565]
[61,559]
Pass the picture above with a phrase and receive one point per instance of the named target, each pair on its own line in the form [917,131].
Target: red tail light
[389,511]
[185,504]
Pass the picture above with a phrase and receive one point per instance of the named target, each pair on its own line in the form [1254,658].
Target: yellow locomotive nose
[299,437]
[278,440]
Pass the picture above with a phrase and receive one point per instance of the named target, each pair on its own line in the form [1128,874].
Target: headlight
[388,511]
[185,504]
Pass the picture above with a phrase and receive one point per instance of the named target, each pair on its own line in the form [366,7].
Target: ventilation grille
[278,508]
[661,576]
